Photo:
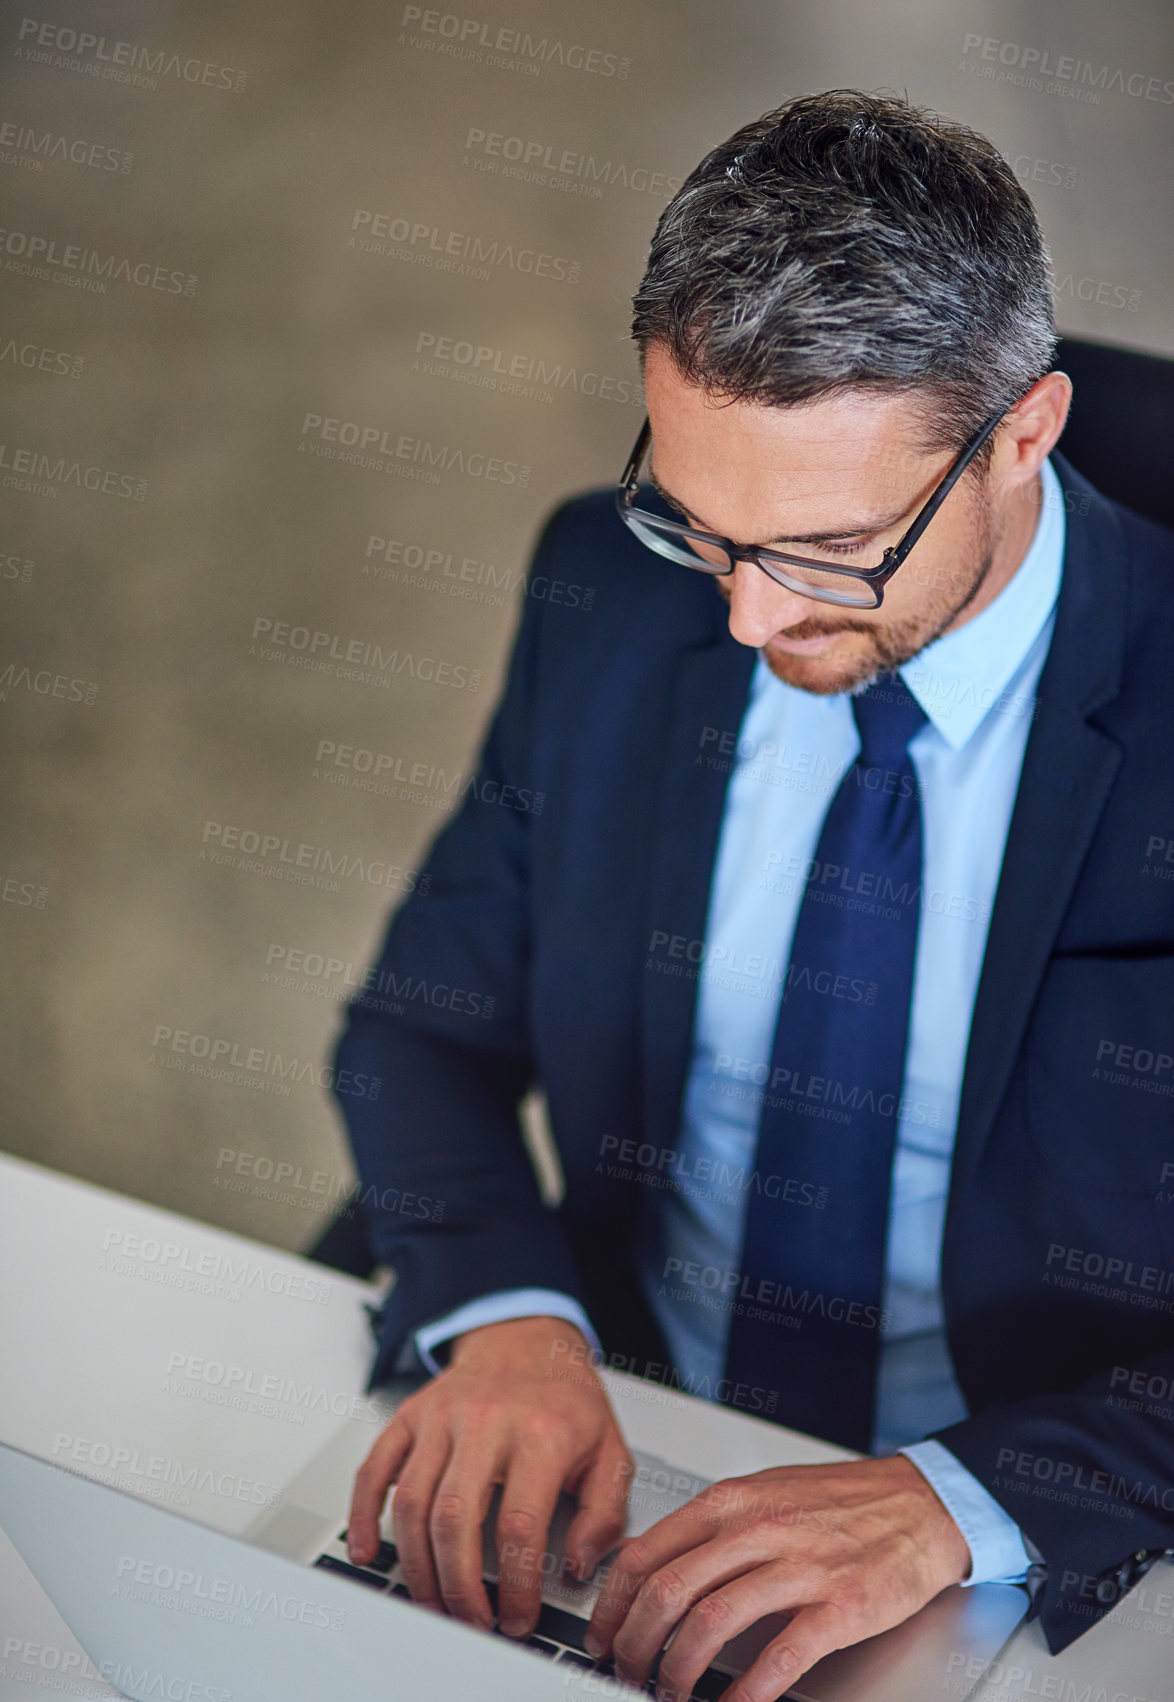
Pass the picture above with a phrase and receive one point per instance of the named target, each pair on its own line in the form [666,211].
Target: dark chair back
[1121,426]
[344,1244]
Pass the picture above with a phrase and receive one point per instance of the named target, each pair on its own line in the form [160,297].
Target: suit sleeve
[446,1187]
[1088,1476]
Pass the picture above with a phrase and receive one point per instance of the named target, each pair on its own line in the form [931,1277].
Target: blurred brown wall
[227,227]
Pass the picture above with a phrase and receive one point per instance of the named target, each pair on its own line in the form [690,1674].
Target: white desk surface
[117,1354]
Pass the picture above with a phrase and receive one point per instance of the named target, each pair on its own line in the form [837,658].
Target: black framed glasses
[829,577]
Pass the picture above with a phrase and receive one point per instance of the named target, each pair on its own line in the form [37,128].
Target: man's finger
[533,1481]
[458,1511]
[372,1481]
[675,1592]
[410,1513]
[722,1613]
[603,1507]
[813,1633]
[640,1556]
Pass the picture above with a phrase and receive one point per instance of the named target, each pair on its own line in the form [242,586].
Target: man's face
[845,471]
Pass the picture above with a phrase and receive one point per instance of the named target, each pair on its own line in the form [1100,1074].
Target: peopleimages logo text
[1080,74]
[533,156]
[112,55]
[372,444]
[90,266]
[513,373]
[470,35]
[464,252]
[40,145]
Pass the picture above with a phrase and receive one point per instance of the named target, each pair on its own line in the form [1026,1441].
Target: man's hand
[848,1550]
[498,1413]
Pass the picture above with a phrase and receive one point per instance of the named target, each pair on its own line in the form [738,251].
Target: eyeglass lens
[711,558]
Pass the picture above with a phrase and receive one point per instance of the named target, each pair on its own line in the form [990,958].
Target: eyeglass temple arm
[628,480]
[901,550]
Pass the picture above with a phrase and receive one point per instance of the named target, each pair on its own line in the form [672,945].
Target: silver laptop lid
[170,1609]
[166,1607]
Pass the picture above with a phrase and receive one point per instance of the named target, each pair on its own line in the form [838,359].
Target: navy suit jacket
[592,828]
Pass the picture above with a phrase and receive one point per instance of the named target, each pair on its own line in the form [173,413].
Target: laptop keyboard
[558,1636]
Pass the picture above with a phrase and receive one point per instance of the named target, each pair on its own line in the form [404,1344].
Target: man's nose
[760,606]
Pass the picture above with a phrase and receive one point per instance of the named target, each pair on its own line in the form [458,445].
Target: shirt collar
[959,677]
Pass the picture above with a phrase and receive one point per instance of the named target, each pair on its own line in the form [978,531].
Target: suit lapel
[712,686]
[1068,770]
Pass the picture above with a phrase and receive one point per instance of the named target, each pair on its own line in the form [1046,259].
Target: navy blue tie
[806,1319]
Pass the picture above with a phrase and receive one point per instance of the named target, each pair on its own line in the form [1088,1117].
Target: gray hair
[850,241]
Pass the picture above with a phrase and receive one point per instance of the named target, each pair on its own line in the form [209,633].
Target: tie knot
[887,718]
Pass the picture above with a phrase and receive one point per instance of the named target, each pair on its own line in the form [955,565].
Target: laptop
[165,1606]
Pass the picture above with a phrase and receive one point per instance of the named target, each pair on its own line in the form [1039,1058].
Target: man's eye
[832,549]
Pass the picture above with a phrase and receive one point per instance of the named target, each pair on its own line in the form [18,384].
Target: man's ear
[1032,428]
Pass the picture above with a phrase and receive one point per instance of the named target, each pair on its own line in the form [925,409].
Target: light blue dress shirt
[977,687]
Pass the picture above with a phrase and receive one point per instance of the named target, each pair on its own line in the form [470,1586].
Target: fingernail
[594,1645]
[515,1627]
[587,1564]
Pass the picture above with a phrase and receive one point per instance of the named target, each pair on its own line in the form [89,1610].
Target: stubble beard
[889,646]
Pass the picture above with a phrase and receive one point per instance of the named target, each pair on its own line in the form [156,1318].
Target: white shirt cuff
[496,1309]
[997,1553]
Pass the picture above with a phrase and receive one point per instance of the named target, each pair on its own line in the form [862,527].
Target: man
[832,946]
